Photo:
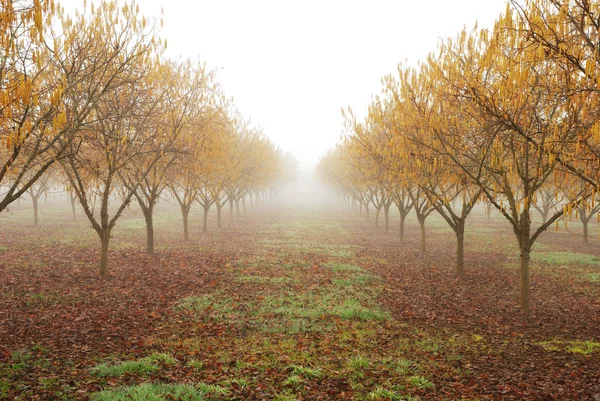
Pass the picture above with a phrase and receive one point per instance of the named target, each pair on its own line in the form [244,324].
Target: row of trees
[92,99]
[508,116]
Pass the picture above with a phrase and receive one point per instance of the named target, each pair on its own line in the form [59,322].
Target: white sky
[292,65]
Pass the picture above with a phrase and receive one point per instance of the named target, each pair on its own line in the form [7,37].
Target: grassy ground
[291,304]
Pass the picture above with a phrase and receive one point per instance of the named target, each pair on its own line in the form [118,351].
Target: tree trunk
[251,202]
[231,209]
[73,208]
[104,239]
[583,217]
[35,211]
[422,249]
[205,219]
[185,212]
[149,230]
[460,249]
[402,221]
[244,203]
[367,211]
[237,207]
[219,207]
[525,248]
[386,212]
[545,216]
[377,213]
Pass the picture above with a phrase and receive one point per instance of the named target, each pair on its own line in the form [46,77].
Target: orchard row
[508,116]
[91,101]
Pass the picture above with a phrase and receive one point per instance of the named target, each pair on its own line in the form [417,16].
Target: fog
[306,189]
[291,66]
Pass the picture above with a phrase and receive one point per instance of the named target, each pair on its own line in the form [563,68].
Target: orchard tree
[506,84]
[187,92]
[567,35]
[35,122]
[121,133]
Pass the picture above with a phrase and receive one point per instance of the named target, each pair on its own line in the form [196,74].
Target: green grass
[381,393]
[4,387]
[309,309]
[264,279]
[238,381]
[293,381]
[358,363]
[143,366]
[305,246]
[212,389]
[196,365]
[352,309]
[428,345]
[360,280]
[565,258]
[592,277]
[306,372]
[284,397]
[220,306]
[420,382]
[337,267]
[404,366]
[21,360]
[583,347]
[152,392]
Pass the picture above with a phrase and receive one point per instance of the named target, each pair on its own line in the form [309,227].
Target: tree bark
[205,219]
[149,230]
[231,209]
[104,240]
[525,249]
[377,213]
[423,247]
[386,212]
[35,211]
[185,212]
[402,221]
[73,210]
[583,217]
[460,248]
[237,207]
[219,207]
